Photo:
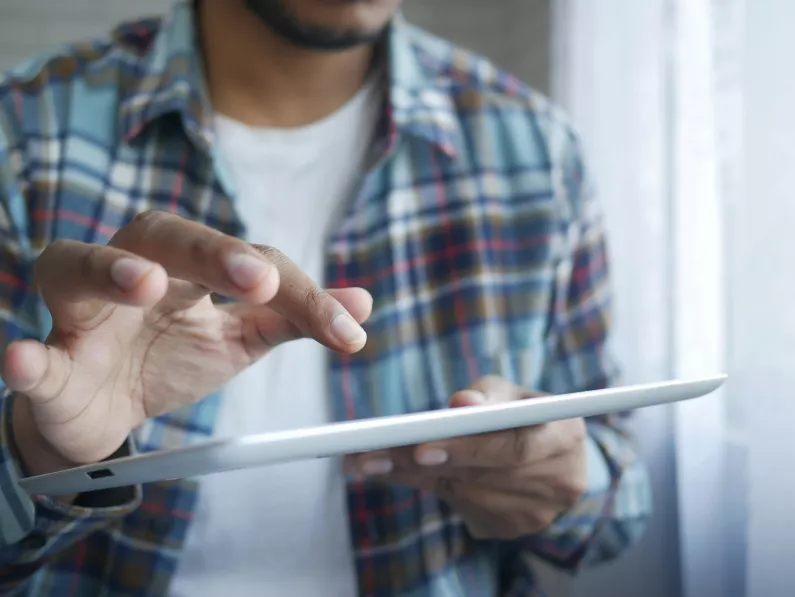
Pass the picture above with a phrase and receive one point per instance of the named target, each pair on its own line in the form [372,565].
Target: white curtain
[639,79]
[763,293]
[699,301]
[610,74]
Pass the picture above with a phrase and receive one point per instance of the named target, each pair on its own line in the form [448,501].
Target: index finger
[199,254]
[253,273]
[311,309]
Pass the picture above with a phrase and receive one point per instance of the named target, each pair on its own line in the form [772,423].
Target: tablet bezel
[337,439]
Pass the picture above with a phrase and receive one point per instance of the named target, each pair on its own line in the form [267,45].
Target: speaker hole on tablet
[100,474]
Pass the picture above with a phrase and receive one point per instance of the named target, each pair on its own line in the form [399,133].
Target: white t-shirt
[282,530]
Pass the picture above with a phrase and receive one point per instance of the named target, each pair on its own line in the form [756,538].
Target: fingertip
[267,287]
[154,285]
[270,283]
[254,277]
[365,295]
[366,305]
[139,281]
[348,333]
[467,398]
[24,363]
[19,351]
[357,301]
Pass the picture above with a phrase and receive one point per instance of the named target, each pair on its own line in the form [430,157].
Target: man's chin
[324,32]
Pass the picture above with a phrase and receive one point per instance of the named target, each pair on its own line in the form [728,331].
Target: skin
[295,85]
[504,485]
[136,334]
[325,25]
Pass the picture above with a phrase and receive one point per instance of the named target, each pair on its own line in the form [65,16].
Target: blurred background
[686,109]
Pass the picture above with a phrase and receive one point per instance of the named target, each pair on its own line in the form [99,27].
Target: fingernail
[433,457]
[378,466]
[127,272]
[245,270]
[347,330]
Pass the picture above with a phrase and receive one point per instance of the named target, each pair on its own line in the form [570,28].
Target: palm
[135,365]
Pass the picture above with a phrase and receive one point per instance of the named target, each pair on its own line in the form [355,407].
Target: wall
[28,27]
[513,33]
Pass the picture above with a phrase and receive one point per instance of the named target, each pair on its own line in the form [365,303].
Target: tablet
[350,437]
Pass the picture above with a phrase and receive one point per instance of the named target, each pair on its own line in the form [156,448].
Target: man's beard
[276,15]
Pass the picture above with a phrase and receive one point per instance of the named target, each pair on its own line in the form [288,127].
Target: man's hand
[505,484]
[136,334]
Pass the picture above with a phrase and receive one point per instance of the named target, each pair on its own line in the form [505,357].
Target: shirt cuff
[585,514]
[598,471]
[22,514]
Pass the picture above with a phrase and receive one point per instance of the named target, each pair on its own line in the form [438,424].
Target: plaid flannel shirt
[474,229]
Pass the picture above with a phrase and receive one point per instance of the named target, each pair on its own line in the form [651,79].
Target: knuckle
[316,300]
[200,249]
[89,262]
[570,491]
[147,218]
[142,223]
[273,254]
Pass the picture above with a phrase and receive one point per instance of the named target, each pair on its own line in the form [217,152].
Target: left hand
[505,484]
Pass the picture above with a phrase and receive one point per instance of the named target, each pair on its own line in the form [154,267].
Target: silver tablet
[360,436]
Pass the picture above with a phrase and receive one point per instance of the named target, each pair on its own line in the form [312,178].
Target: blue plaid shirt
[474,229]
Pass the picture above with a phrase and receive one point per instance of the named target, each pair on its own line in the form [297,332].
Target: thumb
[39,372]
[490,389]
[468,397]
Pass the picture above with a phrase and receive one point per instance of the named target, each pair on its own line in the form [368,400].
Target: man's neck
[255,77]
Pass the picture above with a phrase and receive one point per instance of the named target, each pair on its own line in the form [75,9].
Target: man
[433,196]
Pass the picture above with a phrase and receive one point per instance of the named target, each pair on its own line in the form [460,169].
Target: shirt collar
[170,81]
[420,98]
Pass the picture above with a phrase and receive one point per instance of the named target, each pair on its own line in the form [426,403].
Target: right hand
[136,334]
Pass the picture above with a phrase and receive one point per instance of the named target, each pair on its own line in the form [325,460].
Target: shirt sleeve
[612,514]
[31,527]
